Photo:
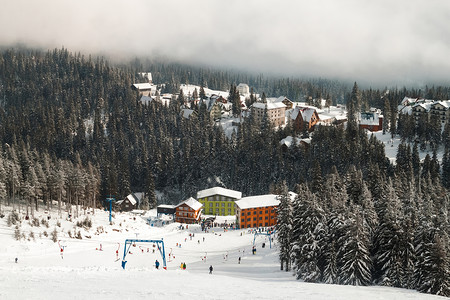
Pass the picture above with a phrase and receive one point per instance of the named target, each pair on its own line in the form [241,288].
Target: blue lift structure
[110,199]
[129,242]
[268,233]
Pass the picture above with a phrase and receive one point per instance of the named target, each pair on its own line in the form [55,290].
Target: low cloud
[379,42]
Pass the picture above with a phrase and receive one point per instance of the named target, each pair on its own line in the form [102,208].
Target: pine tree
[355,264]
[284,227]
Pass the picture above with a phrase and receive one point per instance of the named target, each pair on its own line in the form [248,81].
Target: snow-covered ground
[84,272]
[391,146]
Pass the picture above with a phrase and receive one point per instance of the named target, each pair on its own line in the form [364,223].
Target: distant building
[257,211]
[130,203]
[304,118]
[275,112]
[218,201]
[372,121]
[243,89]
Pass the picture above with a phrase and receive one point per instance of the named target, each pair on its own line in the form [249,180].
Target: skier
[210,269]
[184,266]
[239,260]
[16,259]
[157,264]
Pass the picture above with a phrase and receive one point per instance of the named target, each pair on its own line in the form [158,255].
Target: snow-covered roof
[192,203]
[186,112]
[370,118]
[258,201]
[143,86]
[289,140]
[146,99]
[132,199]
[219,191]
[166,206]
[270,105]
[307,114]
[445,104]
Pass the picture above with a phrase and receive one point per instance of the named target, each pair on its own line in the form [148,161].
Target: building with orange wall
[188,211]
[257,211]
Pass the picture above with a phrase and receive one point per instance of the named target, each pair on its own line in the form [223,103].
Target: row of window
[211,211]
[217,204]
[260,218]
[255,212]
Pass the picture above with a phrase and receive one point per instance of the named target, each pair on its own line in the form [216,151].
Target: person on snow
[184,266]
[239,260]
[210,269]
[157,264]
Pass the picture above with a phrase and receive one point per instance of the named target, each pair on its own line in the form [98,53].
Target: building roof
[143,86]
[165,206]
[192,203]
[269,105]
[219,191]
[258,201]
[132,199]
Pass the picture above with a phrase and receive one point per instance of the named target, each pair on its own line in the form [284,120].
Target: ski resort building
[372,121]
[275,112]
[257,211]
[304,118]
[218,201]
[188,211]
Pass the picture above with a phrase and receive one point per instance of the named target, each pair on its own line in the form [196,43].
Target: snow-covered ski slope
[85,272]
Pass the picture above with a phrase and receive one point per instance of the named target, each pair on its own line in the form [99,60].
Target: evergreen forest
[73,132]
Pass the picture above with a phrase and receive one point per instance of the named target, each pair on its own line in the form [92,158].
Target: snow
[270,105]
[219,191]
[258,201]
[87,273]
[192,203]
[391,146]
[131,199]
[143,86]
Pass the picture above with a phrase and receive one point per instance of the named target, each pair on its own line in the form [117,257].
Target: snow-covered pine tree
[309,235]
[355,264]
[284,226]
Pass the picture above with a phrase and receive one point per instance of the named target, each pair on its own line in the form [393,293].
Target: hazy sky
[382,41]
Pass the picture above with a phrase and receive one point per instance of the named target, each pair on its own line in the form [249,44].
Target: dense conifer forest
[72,132]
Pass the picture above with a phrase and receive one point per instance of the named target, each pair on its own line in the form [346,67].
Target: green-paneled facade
[218,205]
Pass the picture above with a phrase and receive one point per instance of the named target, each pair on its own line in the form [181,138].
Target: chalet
[188,211]
[275,112]
[286,101]
[129,203]
[304,118]
[372,121]
[440,110]
[144,89]
[289,141]
[218,201]
[257,211]
[421,109]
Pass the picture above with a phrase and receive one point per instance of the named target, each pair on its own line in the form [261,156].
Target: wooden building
[188,211]
[257,211]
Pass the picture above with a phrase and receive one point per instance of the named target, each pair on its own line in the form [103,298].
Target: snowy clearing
[85,272]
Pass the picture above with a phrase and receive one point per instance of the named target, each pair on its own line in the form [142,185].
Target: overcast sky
[383,41]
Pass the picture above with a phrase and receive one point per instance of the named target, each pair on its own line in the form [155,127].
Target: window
[254,212]
[260,218]
[217,204]
[243,214]
[267,211]
[229,204]
[248,219]
[254,219]
[260,212]
[223,204]
[266,218]
[248,214]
